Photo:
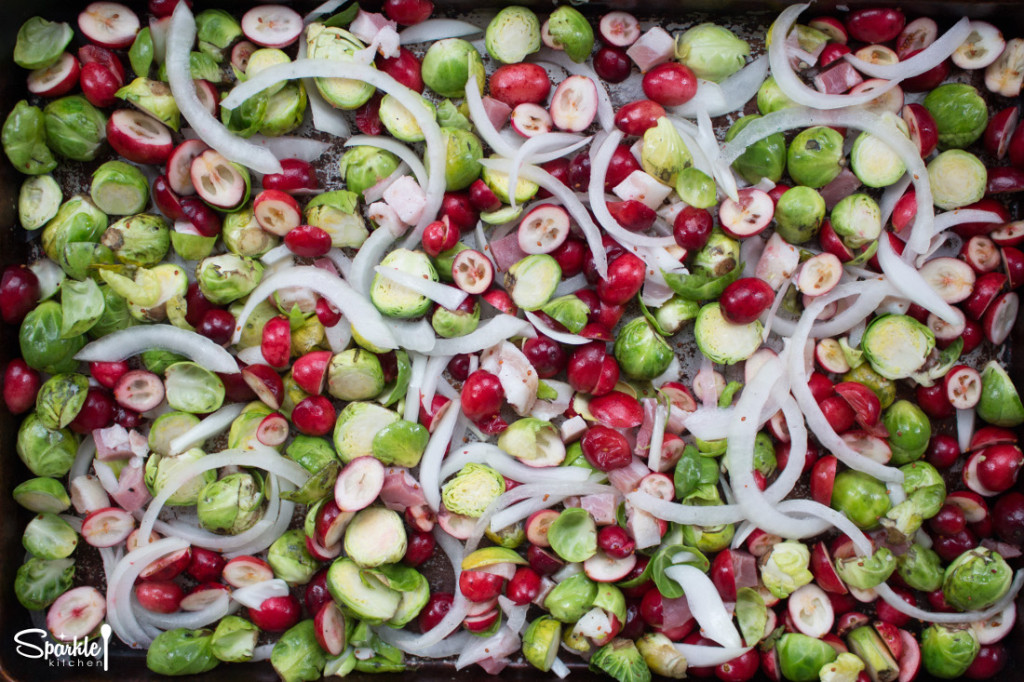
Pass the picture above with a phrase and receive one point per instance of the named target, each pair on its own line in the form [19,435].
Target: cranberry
[543,561]
[459,210]
[875,25]
[97,412]
[820,385]
[972,335]
[277,614]
[634,625]
[838,412]
[205,565]
[615,542]
[164,8]
[612,64]
[831,53]
[888,614]
[620,166]
[408,12]
[405,68]
[579,172]
[524,586]
[439,236]
[458,367]
[314,415]
[592,370]
[196,304]
[570,255]
[949,520]
[368,117]
[19,293]
[419,549]
[483,197]
[942,451]
[651,608]
[546,356]
[692,227]
[317,593]
[326,313]
[436,609]
[482,395]
[746,299]
[638,116]
[934,401]
[989,662]
[739,669]
[308,241]
[670,84]
[21,384]
[159,596]
[218,326]
[625,277]
[999,465]
[949,547]
[1008,518]
[126,417]
[99,84]
[606,449]
[559,170]
[295,175]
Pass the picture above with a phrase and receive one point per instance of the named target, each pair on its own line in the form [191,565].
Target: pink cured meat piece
[643,436]
[838,78]
[601,507]
[131,494]
[654,47]
[497,112]
[745,568]
[401,490]
[675,613]
[112,443]
[844,184]
[625,479]
[367,25]
[506,251]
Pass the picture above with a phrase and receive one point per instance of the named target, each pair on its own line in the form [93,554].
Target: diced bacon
[654,47]
[744,568]
[112,443]
[838,78]
[675,613]
[601,507]
[131,494]
[571,501]
[401,490]
[573,429]
[1005,550]
[844,184]
[625,479]
[644,188]
[407,198]
[643,435]
[493,666]
[367,25]
[385,217]
[326,264]
[138,443]
[506,251]
[497,112]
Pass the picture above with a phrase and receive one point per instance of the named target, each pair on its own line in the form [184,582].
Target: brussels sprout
[285,110]
[159,469]
[115,314]
[1000,403]
[244,237]
[376,536]
[948,651]
[799,214]
[157,361]
[570,31]
[909,431]
[42,494]
[621,660]
[664,154]
[263,59]
[724,342]
[142,239]
[569,311]
[958,179]
[533,441]
[362,592]
[571,598]
[182,652]
[897,345]
[718,257]
[498,183]
[42,346]
[709,538]
[167,427]
[920,568]
[696,188]
[865,643]
[785,570]
[400,443]
[355,374]
[641,351]
[661,656]
[976,580]
[712,52]
[540,642]
[449,324]
[191,388]
[960,114]
[297,655]
[338,45]
[82,306]
[411,584]
[802,657]
[232,504]
[141,53]
[154,98]
[234,640]
[119,188]
[450,116]
[867,572]
[201,67]
[464,151]
[881,386]
[471,490]
[335,212]
[290,558]
[361,168]
[38,201]
[40,43]
[357,425]
[395,300]
[860,497]
[383,658]
[815,156]
[511,35]
[39,582]
[857,220]
[573,535]
[845,668]
[247,118]
[400,122]
[216,30]
[670,317]
[48,536]
[24,140]
[926,493]
[46,452]
[60,399]
[765,158]
[532,281]
[228,277]
[770,97]
[312,453]
[873,162]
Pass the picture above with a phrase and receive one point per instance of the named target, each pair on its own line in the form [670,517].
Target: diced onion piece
[432,30]
[705,604]
[125,343]
[709,656]
[443,294]
[925,60]
[208,428]
[180,37]
[122,581]
[909,282]
[390,144]
[495,330]
[559,668]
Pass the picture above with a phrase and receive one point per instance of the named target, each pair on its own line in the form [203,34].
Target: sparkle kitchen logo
[36,643]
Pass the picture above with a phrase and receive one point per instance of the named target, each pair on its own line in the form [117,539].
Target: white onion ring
[192,620]
[709,656]
[909,282]
[925,60]
[432,30]
[554,334]
[509,466]
[498,328]
[529,152]
[207,428]
[684,513]
[251,596]
[705,604]
[437,446]
[443,294]
[120,585]
[125,343]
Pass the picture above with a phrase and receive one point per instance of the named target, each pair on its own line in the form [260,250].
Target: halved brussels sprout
[355,374]
[722,341]
[642,352]
[532,281]
[231,504]
[414,588]
[39,582]
[228,277]
[896,346]
[38,201]
[119,188]
[24,140]
[785,570]
[60,399]
[160,468]
[335,213]
[400,122]
[357,425]
[471,490]
[802,657]
[290,558]
[182,652]
[363,167]
[361,591]
[42,494]
[540,642]
[498,183]
[263,59]
[154,98]
[40,43]
[770,97]
[298,656]
[216,30]
[337,44]
[401,443]
[395,300]
[82,305]
[247,118]
[449,324]
[874,162]
[661,656]
[867,572]
[46,452]
[533,441]
[48,536]
[712,52]
[976,580]
[857,220]
[243,235]
[234,640]
[192,388]
[696,188]
[765,158]
[664,154]
[958,179]
[1000,402]
[285,110]
[167,427]
[571,32]
[512,34]
[571,598]
[375,536]
[573,535]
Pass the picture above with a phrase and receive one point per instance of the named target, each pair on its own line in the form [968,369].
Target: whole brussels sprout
[857,219]
[297,656]
[142,239]
[290,558]
[60,399]
[712,52]
[160,469]
[357,426]
[74,127]
[39,582]
[119,188]
[228,277]
[571,32]
[571,598]
[77,220]
[1000,403]
[46,452]
[285,110]
[709,538]
[815,156]
[621,659]
[785,569]
[38,201]
[641,351]
[511,35]
[375,536]
[395,300]
[802,657]
[462,163]
[234,639]
[948,651]
[363,167]
[24,140]
[182,652]
[216,30]
[40,43]
[664,154]
[471,490]
[960,114]
[449,324]
[355,374]
[799,214]
[449,64]
[765,158]
[920,568]
[909,431]
[335,213]
[976,580]
[861,497]
[719,256]
[337,44]
[232,504]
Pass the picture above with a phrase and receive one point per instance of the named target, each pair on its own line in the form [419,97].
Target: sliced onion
[571,285]
[359,311]
[322,10]
[500,512]
[180,37]
[284,518]
[404,640]
[959,216]
[390,144]
[370,253]
[684,513]
[559,668]
[598,172]
[787,479]
[868,298]
[554,334]
[417,370]
[482,122]
[892,194]
[292,146]
[709,423]
[811,508]
[326,118]
[528,152]
[909,282]
[251,596]
[516,613]
[83,458]
[698,656]
[276,254]
[495,330]
[191,620]
[964,428]
[122,579]
[416,336]
[442,294]
[432,30]
[503,643]
[430,463]
[432,376]
[894,600]
[705,604]
[508,466]
[718,99]
[657,437]
[125,343]
[110,556]
[688,133]
[340,260]
[925,60]
[208,428]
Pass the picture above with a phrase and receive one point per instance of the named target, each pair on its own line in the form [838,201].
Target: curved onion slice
[443,294]
[432,377]
[503,511]
[705,604]
[180,37]
[83,458]
[909,282]
[657,437]
[502,643]
[790,83]
[368,256]
[119,588]
[554,334]
[415,336]
[359,311]
[709,656]
[508,466]
[501,145]
[192,620]
[684,513]
[404,640]
[292,146]
[495,330]
[275,531]
[390,144]
[326,118]
[900,144]
[925,60]
[432,30]
[834,518]
[530,152]
[251,596]
[208,428]
[895,601]
[128,342]
[790,474]
[865,304]
[735,91]
[437,446]
[944,221]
